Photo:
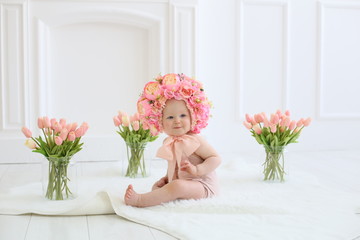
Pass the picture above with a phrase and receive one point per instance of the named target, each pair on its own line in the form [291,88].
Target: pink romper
[178,149]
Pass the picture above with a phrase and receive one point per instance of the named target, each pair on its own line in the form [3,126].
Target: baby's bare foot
[131,197]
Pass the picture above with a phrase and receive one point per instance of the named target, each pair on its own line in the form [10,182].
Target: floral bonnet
[173,86]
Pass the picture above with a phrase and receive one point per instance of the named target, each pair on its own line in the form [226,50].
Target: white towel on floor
[248,208]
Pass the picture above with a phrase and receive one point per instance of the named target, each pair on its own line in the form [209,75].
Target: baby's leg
[177,189]
[159,184]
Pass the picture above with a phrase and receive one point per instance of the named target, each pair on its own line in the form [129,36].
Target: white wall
[299,55]
[85,60]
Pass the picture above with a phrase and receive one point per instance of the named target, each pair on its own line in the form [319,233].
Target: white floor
[340,169]
[38,227]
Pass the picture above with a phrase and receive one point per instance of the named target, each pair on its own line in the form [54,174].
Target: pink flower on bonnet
[173,86]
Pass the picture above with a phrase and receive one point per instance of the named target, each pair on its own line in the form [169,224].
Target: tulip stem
[57,187]
[136,160]
[274,165]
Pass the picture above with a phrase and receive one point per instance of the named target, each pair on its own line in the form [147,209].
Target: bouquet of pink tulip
[275,133]
[59,143]
[136,135]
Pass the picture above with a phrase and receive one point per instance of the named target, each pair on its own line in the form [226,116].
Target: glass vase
[59,178]
[274,165]
[137,164]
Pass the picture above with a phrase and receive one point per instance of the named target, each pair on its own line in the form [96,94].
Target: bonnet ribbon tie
[174,148]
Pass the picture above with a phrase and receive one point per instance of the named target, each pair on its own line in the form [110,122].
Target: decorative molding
[13,66]
[150,23]
[239,111]
[105,15]
[339,4]
[42,70]
[183,27]
[321,7]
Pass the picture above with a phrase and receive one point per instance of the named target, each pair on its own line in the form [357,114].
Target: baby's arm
[211,159]
[162,181]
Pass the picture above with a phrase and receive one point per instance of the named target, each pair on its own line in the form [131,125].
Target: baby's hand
[188,167]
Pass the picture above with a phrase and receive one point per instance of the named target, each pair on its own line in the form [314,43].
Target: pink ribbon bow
[175,148]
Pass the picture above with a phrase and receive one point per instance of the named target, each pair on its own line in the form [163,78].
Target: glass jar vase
[59,178]
[136,163]
[274,165]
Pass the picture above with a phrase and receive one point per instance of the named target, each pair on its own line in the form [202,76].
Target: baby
[176,104]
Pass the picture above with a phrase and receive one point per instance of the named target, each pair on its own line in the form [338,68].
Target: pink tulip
[274,119]
[285,122]
[287,113]
[53,121]
[258,118]
[153,130]
[249,118]
[26,132]
[125,120]
[74,126]
[247,125]
[64,133]
[63,123]
[120,114]
[85,125]
[307,122]
[257,129]
[47,123]
[266,121]
[273,128]
[58,140]
[30,143]
[71,136]
[79,132]
[119,117]
[117,121]
[135,125]
[40,123]
[282,120]
[136,116]
[57,127]
[131,119]
[300,122]
[292,125]
[68,127]
[278,112]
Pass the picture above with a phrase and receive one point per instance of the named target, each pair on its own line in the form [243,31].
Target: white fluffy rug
[248,208]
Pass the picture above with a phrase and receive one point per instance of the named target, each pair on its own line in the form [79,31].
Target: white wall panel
[339,71]
[101,57]
[117,56]
[12,67]
[87,60]
[183,38]
[263,56]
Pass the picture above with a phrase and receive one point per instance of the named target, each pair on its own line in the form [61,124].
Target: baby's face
[176,118]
